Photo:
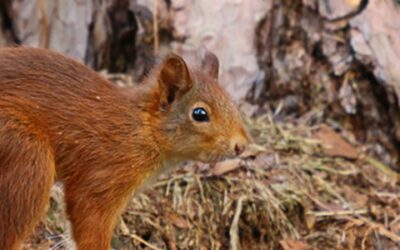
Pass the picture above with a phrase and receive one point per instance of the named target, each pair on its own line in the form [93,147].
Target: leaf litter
[296,187]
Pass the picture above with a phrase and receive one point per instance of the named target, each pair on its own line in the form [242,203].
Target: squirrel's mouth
[214,158]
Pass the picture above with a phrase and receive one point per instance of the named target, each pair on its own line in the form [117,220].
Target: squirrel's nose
[239,143]
[239,148]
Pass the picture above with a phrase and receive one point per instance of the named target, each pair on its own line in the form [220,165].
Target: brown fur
[59,120]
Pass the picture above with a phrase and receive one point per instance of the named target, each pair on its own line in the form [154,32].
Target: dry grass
[285,194]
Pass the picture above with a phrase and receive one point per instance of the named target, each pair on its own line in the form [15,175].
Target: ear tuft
[174,78]
[210,64]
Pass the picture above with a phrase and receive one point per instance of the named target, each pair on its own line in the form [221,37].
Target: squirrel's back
[77,109]
[45,78]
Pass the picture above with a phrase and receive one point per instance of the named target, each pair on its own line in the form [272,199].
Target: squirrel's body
[60,120]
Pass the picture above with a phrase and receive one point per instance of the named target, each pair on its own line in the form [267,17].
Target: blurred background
[319,84]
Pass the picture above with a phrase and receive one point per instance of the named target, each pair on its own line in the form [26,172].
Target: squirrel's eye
[200,115]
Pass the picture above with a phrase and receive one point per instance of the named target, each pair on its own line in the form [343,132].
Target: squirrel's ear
[174,79]
[210,64]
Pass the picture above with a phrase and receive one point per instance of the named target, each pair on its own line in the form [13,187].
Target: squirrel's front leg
[91,229]
[93,214]
[95,199]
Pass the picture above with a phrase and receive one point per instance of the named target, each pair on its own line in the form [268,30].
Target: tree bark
[334,61]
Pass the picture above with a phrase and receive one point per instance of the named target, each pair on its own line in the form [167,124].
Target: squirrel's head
[199,119]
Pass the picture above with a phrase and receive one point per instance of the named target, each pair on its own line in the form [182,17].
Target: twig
[337,213]
[382,167]
[316,201]
[155,26]
[44,23]
[203,198]
[233,231]
[147,244]
[395,220]
[380,228]
[331,190]
[364,240]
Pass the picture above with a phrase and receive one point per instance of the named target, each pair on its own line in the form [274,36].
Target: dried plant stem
[44,24]
[233,232]
[155,26]
[338,213]
[147,244]
[382,167]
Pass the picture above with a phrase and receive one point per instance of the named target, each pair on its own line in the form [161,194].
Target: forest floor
[297,187]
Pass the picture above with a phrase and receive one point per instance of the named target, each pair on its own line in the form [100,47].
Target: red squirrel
[62,121]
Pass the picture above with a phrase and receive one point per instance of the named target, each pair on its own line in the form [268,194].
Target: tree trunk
[334,61]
